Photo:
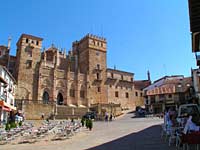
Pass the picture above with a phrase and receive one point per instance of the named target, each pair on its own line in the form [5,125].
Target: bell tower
[27,65]
[91,52]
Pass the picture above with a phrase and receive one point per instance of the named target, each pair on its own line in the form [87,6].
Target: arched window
[82,92]
[45,97]
[60,99]
[72,91]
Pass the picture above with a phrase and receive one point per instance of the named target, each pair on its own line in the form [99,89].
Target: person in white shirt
[190,125]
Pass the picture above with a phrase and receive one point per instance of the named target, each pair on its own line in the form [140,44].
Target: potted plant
[90,124]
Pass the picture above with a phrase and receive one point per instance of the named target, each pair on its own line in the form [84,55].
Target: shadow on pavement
[147,139]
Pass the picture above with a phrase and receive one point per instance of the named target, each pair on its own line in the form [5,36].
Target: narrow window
[99,89]
[116,94]
[28,64]
[37,42]
[98,66]
[98,76]
[72,92]
[26,40]
[136,93]
[127,95]
[112,75]
[29,53]
[122,78]
[82,94]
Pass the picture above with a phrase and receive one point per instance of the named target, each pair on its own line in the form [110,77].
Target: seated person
[191,124]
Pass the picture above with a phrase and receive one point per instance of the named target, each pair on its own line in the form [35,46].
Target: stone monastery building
[78,79]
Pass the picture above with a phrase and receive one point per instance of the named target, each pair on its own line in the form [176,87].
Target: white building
[196,82]
[7,92]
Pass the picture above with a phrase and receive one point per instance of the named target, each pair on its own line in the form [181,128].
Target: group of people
[107,117]
[190,123]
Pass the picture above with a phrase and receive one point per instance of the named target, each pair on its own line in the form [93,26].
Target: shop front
[5,111]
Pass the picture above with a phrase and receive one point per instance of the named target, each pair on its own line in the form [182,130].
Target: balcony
[97,70]
[198,58]
[3,97]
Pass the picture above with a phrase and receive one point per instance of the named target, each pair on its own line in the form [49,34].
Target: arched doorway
[45,98]
[60,99]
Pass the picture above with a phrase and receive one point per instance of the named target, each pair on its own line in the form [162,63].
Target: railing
[28,101]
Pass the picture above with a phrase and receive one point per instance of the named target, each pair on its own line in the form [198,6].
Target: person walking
[110,117]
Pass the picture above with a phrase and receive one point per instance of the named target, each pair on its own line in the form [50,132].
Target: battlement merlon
[30,39]
[91,41]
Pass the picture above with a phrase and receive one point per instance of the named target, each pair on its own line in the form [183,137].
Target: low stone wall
[66,112]
[101,109]
[34,111]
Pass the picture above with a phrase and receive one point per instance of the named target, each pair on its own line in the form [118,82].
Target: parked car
[185,110]
[91,115]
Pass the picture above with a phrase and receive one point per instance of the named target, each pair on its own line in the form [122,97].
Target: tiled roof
[141,84]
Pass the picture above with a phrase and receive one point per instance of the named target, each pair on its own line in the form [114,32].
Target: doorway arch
[45,97]
[60,99]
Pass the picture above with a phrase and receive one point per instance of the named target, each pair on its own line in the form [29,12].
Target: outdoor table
[192,138]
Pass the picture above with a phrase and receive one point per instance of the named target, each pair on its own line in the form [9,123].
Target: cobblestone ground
[124,133]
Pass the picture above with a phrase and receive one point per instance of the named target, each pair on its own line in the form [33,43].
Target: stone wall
[33,111]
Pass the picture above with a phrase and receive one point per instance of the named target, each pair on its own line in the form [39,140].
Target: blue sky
[141,34]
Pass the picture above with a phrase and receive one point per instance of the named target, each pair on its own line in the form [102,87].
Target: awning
[4,104]
[2,80]
[6,109]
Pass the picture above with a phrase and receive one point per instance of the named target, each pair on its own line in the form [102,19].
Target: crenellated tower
[91,60]
[27,65]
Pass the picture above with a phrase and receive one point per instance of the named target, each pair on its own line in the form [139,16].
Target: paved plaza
[124,133]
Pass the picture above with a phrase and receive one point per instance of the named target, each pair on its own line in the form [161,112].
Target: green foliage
[13,125]
[7,127]
[90,124]
[87,123]
[20,123]
[83,122]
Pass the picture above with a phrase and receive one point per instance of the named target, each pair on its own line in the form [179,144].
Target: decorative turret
[148,74]
[9,42]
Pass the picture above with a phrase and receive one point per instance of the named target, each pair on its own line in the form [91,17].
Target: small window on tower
[28,64]
[37,42]
[116,94]
[26,40]
[98,77]
[99,89]
[98,66]
[29,53]
[127,95]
